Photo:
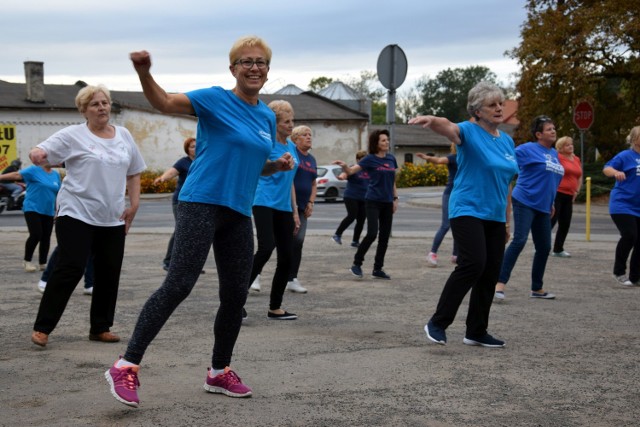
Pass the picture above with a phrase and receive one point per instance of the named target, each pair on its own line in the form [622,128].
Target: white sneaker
[432,260]
[255,286]
[41,285]
[623,280]
[29,267]
[562,254]
[295,286]
[88,291]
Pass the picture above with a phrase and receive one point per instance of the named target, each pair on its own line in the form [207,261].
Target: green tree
[318,83]
[446,94]
[367,85]
[574,50]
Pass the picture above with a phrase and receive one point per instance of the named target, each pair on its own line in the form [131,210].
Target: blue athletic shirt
[539,176]
[452,168]
[305,177]
[234,142]
[182,166]
[382,173]
[42,189]
[486,166]
[357,185]
[625,196]
[274,191]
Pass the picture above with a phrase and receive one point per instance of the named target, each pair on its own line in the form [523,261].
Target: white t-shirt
[97,168]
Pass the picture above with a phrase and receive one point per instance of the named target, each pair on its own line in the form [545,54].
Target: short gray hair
[479,94]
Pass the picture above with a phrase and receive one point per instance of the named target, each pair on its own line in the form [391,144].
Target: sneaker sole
[426,329]
[542,296]
[254,289]
[220,390]
[468,341]
[297,292]
[381,278]
[113,391]
[283,318]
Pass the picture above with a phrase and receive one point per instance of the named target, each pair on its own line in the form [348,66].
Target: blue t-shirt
[382,176]
[42,189]
[234,142]
[274,191]
[452,168]
[357,185]
[305,177]
[182,166]
[625,196]
[486,166]
[539,176]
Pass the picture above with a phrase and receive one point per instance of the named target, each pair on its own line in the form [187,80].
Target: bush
[424,175]
[147,186]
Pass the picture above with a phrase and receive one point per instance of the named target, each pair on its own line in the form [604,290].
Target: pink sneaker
[228,383]
[124,384]
[432,260]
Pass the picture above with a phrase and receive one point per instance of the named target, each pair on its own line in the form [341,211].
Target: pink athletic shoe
[228,383]
[124,384]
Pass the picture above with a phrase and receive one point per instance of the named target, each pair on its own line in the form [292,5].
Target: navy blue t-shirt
[304,179]
[182,166]
[452,168]
[357,185]
[382,172]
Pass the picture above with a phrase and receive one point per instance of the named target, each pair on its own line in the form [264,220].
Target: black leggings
[274,229]
[40,228]
[629,227]
[355,212]
[199,225]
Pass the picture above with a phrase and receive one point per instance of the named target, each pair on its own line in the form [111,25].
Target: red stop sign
[583,115]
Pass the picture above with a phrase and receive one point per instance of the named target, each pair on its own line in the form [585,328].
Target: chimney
[34,76]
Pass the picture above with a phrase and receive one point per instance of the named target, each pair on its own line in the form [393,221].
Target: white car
[328,186]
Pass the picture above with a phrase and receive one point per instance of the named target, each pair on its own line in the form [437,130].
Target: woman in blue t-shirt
[275,216]
[39,208]
[452,168]
[179,169]
[236,133]
[357,185]
[624,208]
[477,212]
[381,200]
[532,202]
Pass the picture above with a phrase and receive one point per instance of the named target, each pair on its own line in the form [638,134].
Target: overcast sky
[189,40]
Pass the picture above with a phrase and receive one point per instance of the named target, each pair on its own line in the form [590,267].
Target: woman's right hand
[38,156]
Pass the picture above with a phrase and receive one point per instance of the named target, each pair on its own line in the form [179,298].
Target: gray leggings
[197,227]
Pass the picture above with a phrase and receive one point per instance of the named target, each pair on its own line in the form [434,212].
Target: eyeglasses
[247,64]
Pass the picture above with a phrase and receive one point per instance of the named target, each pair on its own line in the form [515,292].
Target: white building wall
[160,137]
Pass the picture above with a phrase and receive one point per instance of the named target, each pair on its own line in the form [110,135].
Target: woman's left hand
[127,216]
[296,221]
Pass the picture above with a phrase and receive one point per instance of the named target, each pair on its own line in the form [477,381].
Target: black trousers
[564,211]
[355,212]
[480,251]
[40,227]
[77,240]
[274,229]
[629,227]
[379,219]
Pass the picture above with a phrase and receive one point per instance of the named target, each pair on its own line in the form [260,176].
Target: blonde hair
[299,130]
[561,142]
[280,107]
[633,135]
[86,94]
[360,155]
[249,41]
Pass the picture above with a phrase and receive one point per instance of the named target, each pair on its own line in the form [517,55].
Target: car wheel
[331,194]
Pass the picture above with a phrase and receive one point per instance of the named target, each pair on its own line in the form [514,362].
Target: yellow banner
[8,145]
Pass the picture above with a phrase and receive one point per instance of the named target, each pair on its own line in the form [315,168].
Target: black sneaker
[355,244]
[379,274]
[484,341]
[284,316]
[356,271]
[245,316]
[435,333]
[337,239]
